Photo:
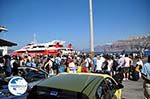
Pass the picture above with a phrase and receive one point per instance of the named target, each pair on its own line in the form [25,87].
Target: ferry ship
[53,47]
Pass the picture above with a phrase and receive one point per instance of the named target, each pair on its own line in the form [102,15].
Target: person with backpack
[110,64]
[139,65]
[48,66]
[136,70]
[114,66]
[62,66]
[105,67]
[127,66]
[56,63]
[86,64]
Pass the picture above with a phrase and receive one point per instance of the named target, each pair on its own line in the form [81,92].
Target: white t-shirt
[110,63]
[121,62]
[99,63]
[139,62]
[128,62]
[87,61]
[72,65]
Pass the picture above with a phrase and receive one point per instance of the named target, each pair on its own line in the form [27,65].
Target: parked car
[77,86]
[32,75]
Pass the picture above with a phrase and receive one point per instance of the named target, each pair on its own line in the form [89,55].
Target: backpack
[115,64]
[89,64]
[54,65]
[105,65]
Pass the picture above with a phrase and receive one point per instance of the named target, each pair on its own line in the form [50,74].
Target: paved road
[133,89]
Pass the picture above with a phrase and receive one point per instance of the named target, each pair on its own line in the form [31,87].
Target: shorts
[126,70]
[72,69]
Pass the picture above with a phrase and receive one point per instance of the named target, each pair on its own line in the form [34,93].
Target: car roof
[72,81]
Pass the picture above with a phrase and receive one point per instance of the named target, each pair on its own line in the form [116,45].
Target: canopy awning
[6,43]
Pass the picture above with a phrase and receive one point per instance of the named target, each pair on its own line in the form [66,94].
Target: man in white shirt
[128,63]
[99,63]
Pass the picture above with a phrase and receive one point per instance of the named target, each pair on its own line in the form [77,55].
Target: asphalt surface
[133,89]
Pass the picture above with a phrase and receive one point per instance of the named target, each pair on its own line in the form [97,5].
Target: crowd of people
[54,64]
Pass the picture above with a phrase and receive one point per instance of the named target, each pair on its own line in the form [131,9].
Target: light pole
[91,29]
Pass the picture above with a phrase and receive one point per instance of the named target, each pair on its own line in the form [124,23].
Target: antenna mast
[34,38]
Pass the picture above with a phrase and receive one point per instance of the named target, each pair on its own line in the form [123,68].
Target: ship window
[60,45]
[34,46]
[40,46]
[50,46]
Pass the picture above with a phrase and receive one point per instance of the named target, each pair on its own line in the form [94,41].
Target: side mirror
[119,86]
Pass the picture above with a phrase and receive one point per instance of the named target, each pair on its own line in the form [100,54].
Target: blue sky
[68,20]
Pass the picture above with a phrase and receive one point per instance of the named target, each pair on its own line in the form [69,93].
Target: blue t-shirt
[146,69]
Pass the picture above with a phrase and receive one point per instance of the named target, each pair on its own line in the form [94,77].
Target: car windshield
[34,75]
[52,93]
